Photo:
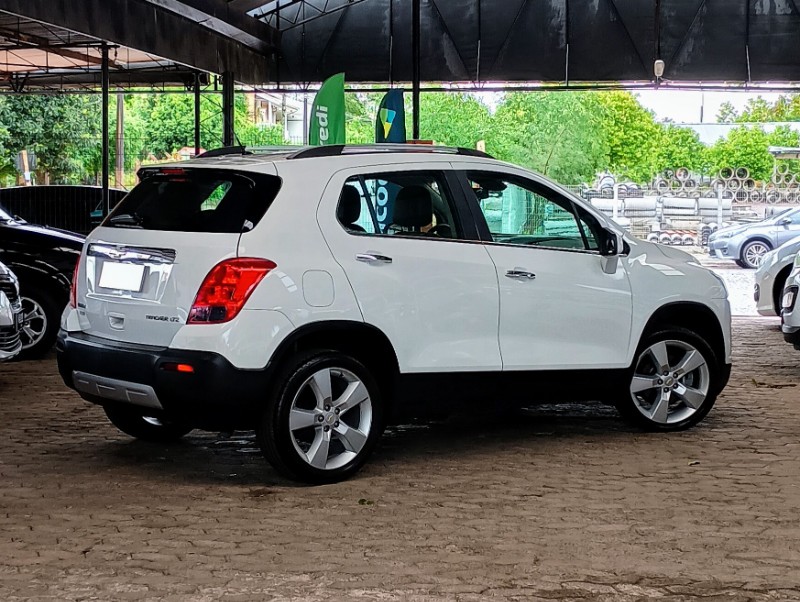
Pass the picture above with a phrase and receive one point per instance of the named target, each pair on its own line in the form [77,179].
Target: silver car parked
[771,277]
[10,314]
[748,243]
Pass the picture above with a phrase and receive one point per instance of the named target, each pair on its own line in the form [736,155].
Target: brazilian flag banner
[327,113]
[390,125]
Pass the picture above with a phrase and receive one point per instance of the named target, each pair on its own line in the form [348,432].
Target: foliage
[54,127]
[452,119]
[759,110]
[633,136]
[745,146]
[557,133]
[680,147]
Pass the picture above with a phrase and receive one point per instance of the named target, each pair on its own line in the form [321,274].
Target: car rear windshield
[196,200]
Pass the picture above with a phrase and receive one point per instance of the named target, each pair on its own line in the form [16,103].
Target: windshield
[780,215]
[5,217]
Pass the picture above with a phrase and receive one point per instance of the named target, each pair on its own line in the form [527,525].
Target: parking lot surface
[562,502]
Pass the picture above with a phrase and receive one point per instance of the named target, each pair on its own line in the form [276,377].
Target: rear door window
[196,200]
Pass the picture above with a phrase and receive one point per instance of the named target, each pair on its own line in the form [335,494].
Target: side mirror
[613,244]
[785,221]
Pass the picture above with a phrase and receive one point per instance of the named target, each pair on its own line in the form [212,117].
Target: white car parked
[790,316]
[771,277]
[310,294]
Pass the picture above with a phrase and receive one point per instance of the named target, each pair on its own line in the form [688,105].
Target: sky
[684,106]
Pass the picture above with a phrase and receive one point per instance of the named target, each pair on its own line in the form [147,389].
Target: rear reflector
[226,289]
[171,367]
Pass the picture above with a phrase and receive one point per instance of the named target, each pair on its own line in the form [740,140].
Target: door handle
[373,257]
[519,274]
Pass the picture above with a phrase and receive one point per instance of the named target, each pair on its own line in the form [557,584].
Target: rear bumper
[216,396]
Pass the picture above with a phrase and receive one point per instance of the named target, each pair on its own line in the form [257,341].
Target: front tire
[753,252]
[323,419]
[137,423]
[41,311]
[674,381]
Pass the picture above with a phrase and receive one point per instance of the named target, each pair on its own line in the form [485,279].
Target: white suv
[312,294]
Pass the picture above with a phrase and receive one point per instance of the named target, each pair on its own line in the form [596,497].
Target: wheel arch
[364,342]
[756,238]
[693,316]
[781,277]
[47,278]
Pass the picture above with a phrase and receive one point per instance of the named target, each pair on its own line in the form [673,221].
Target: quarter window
[523,213]
[397,204]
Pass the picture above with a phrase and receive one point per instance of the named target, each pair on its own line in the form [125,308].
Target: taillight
[73,289]
[226,288]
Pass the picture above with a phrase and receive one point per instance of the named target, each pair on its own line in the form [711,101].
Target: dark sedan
[44,260]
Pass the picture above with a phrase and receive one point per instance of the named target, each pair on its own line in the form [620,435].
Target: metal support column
[228,134]
[196,113]
[105,151]
[415,36]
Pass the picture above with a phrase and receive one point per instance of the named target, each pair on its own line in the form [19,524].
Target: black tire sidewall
[273,432]
[627,406]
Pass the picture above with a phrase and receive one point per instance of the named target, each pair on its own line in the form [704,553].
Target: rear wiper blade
[126,219]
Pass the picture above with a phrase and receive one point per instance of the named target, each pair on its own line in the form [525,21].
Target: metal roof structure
[56,44]
[559,41]
[53,44]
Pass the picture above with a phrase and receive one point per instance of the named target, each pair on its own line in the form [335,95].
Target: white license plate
[122,276]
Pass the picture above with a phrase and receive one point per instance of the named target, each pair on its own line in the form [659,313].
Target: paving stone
[560,502]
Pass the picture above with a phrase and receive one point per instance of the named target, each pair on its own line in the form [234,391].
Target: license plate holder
[122,276]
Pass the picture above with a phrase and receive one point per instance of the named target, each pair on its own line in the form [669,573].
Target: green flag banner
[327,113]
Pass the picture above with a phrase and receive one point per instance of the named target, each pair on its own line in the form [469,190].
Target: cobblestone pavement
[563,503]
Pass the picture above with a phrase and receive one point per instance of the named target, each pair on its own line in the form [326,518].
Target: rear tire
[674,381]
[741,264]
[323,419]
[137,423]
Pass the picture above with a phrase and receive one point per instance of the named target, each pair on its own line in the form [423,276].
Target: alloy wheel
[670,382]
[754,253]
[330,418]
[34,323]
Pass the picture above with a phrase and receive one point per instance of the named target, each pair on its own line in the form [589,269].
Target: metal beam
[218,16]
[94,78]
[228,99]
[196,114]
[28,41]
[157,30]
[415,67]
[104,104]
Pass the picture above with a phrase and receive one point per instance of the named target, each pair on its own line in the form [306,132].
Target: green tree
[745,146]
[56,128]
[633,136]
[680,147]
[452,119]
[560,134]
[727,113]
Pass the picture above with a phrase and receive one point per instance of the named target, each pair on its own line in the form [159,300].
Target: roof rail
[334,150]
